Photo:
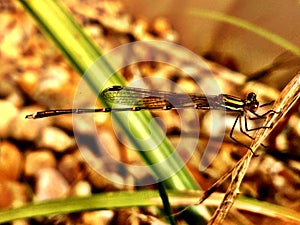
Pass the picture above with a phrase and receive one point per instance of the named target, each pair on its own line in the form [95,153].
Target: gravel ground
[40,159]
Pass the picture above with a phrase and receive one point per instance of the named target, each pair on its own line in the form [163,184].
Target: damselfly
[136,99]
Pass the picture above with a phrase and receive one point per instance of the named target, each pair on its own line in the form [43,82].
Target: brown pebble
[98,217]
[55,139]
[10,161]
[5,191]
[70,167]
[28,82]
[50,184]
[27,129]
[161,25]
[8,113]
[15,194]
[82,188]
[38,160]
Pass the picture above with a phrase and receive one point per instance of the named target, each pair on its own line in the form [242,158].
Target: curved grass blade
[276,39]
[142,198]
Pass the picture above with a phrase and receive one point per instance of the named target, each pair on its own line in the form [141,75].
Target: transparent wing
[152,99]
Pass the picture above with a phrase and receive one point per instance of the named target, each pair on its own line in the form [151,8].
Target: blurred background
[223,41]
[35,76]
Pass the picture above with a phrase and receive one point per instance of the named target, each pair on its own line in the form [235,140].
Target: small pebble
[102,217]
[55,139]
[15,194]
[54,88]
[20,222]
[82,188]
[98,181]
[16,99]
[70,167]
[28,82]
[10,161]
[27,129]
[8,113]
[20,193]
[6,86]
[50,184]
[35,161]
[12,40]
[5,191]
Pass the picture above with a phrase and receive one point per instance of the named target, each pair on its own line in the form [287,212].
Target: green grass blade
[165,199]
[81,52]
[127,199]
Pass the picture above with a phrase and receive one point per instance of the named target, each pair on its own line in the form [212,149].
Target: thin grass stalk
[287,99]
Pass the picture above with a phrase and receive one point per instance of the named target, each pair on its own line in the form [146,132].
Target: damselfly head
[251,102]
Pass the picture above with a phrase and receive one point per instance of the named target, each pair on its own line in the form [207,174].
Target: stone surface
[82,188]
[35,161]
[8,113]
[71,167]
[13,194]
[50,184]
[102,217]
[11,162]
[27,129]
[55,139]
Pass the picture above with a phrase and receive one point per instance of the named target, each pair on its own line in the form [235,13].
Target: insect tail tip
[30,116]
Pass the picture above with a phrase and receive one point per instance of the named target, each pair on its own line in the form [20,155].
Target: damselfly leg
[247,129]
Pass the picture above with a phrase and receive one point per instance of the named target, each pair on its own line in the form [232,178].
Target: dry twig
[288,97]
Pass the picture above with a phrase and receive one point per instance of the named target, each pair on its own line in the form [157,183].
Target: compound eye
[251,102]
[251,97]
